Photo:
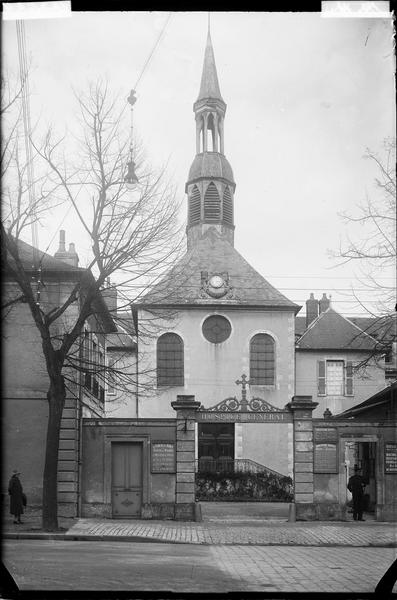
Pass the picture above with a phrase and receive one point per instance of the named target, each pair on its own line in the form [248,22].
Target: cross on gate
[243,382]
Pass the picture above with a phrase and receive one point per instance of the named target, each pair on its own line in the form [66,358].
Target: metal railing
[230,465]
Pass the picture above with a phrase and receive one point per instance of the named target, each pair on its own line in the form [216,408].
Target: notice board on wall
[163,457]
[325,458]
[390,458]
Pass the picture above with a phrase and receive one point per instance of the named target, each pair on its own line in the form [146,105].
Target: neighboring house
[122,376]
[25,380]
[336,361]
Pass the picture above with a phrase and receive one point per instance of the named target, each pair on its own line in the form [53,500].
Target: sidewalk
[244,531]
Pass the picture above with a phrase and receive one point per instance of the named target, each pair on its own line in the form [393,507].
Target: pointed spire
[209,87]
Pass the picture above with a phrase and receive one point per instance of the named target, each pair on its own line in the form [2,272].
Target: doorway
[363,454]
[126,479]
[215,445]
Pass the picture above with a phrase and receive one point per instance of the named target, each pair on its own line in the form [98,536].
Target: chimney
[109,294]
[324,303]
[312,306]
[68,256]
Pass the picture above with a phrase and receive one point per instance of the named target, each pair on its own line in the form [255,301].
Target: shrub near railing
[243,487]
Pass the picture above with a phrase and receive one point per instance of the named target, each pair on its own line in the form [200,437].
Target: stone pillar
[185,500]
[302,408]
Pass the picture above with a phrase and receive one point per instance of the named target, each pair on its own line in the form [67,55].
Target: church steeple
[210,186]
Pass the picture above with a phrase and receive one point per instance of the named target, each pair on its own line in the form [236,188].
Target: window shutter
[321,377]
[349,378]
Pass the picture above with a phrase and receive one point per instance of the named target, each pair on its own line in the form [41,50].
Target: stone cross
[243,382]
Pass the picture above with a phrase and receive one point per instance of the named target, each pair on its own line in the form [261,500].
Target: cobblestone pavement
[245,533]
[304,569]
[54,565]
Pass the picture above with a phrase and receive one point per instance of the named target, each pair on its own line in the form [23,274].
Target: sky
[306,96]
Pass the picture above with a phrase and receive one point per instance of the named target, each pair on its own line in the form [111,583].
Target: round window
[216,329]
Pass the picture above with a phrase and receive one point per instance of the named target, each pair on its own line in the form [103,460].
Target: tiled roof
[214,254]
[333,331]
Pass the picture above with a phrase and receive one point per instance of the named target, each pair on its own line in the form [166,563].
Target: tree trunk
[56,401]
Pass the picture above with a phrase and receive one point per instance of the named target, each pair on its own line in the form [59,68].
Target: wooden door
[126,479]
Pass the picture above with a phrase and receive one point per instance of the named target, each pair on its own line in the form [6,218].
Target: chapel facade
[223,333]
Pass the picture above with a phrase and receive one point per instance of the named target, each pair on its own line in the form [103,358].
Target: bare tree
[375,251]
[133,237]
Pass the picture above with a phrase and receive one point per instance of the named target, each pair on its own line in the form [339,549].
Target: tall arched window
[194,207]
[212,204]
[227,207]
[170,369]
[262,360]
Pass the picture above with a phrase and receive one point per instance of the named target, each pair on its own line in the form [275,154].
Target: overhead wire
[143,70]
[27,126]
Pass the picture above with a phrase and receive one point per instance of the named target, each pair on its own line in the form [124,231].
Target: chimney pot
[62,247]
[324,303]
[312,309]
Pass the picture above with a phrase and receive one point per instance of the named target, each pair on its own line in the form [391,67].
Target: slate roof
[47,262]
[209,87]
[332,331]
[54,267]
[386,395]
[210,164]
[214,254]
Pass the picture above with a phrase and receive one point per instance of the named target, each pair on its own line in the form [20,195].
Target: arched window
[194,207]
[262,367]
[227,207]
[170,369]
[212,205]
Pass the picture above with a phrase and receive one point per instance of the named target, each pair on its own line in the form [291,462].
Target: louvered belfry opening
[212,204]
[227,207]
[194,207]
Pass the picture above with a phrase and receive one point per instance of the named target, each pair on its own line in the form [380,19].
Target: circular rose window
[216,329]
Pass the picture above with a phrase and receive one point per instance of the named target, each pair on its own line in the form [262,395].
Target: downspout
[80,430]
[135,321]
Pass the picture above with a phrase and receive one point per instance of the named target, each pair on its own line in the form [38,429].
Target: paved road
[38,564]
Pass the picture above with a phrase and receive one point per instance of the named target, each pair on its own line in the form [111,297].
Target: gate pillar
[185,500]
[302,408]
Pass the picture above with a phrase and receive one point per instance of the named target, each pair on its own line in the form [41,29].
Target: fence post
[185,499]
[302,408]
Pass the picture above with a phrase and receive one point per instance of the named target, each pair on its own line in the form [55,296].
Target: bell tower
[210,186]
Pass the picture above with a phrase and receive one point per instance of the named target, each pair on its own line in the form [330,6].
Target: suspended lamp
[130,178]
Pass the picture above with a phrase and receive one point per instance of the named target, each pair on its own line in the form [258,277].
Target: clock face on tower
[216,281]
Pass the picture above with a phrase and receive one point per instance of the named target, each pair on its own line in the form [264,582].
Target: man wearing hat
[17,496]
[356,485]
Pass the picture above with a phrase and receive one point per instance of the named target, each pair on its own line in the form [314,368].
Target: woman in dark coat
[16,497]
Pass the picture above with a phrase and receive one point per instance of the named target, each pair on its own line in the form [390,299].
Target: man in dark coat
[16,497]
[356,485]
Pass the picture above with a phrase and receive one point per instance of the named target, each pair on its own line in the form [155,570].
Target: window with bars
[170,368]
[227,207]
[194,207]
[335,378]
[212,205]
[262,360]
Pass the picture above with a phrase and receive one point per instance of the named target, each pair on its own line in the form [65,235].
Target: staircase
[240,480]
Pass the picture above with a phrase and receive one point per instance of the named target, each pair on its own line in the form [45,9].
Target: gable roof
[332,331]
[54,267]
[29,255]
[214,254]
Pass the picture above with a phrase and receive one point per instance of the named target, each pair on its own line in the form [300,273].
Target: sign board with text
[163,457]
[390,458]
[208,416]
